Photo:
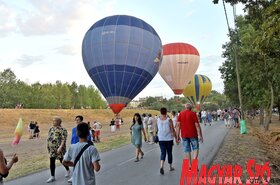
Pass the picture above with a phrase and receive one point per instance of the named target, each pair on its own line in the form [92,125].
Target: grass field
[33,155]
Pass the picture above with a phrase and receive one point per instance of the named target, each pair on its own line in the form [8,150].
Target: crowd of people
[229,116]
[182,127]
[116,123]
[164,130]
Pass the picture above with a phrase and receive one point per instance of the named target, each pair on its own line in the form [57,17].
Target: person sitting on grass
[87,162]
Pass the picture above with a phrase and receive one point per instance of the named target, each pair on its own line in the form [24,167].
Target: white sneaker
[51,179]
[70,180]
[67,174]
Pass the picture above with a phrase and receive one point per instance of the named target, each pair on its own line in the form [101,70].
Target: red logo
[224,175]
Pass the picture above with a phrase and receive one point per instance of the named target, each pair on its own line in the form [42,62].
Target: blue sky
[41,40]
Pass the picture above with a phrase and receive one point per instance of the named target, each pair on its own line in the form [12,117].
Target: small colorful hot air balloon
[179,64]
[121,54]
[18,132]
[198,89]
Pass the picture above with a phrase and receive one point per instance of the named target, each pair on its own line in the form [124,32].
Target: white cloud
[6,15]
[26,60]
[52,17]
[48,17]
[209,66]
[66,50]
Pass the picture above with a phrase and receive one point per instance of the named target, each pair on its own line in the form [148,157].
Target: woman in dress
[56,144]
[136,136]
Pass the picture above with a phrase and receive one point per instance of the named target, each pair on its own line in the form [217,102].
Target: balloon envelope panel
[122,54]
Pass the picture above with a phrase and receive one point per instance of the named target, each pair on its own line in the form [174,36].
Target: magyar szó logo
[226,174]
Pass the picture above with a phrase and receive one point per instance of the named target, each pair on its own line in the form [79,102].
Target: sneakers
[67,174]
[51,179]
[70,180]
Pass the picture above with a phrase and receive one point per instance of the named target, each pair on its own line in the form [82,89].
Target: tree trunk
[269,110]
[261,116]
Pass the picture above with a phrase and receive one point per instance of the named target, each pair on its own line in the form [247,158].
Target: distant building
[141,100]
[159,98]
[133,104]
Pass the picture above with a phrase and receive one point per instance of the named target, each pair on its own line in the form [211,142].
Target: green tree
[36,95]
[8,89]
[257,37]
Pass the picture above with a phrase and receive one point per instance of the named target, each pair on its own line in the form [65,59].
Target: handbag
[155,139]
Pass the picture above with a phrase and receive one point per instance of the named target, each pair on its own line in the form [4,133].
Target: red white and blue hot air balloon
[121,54]
[179,64]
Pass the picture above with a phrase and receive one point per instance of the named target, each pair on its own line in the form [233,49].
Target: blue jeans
[190,143]
[166,146]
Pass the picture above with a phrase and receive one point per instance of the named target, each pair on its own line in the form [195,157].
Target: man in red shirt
[191,133]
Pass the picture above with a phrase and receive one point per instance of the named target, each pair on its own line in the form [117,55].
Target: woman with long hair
[136,136]
[166,133]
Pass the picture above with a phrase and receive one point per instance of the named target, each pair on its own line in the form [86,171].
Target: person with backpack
[85,156]
[75,139]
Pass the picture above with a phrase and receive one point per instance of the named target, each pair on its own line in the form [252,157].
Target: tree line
[46,96]
[214,101]
[254,49]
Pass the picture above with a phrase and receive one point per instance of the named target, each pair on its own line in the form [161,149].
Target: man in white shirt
[145,125]
[97,127]
[204,116]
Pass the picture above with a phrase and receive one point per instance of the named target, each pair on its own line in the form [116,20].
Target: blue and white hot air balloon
[121,54]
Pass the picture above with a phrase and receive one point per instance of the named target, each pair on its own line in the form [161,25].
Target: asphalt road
[118,166]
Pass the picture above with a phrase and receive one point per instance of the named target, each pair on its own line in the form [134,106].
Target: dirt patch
[257,144]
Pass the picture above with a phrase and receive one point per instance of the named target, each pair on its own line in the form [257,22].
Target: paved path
[118,166]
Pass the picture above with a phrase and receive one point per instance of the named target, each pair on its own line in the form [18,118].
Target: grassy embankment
[33,156]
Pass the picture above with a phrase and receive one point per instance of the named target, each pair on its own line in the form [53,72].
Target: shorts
[96,133]
[190,144]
